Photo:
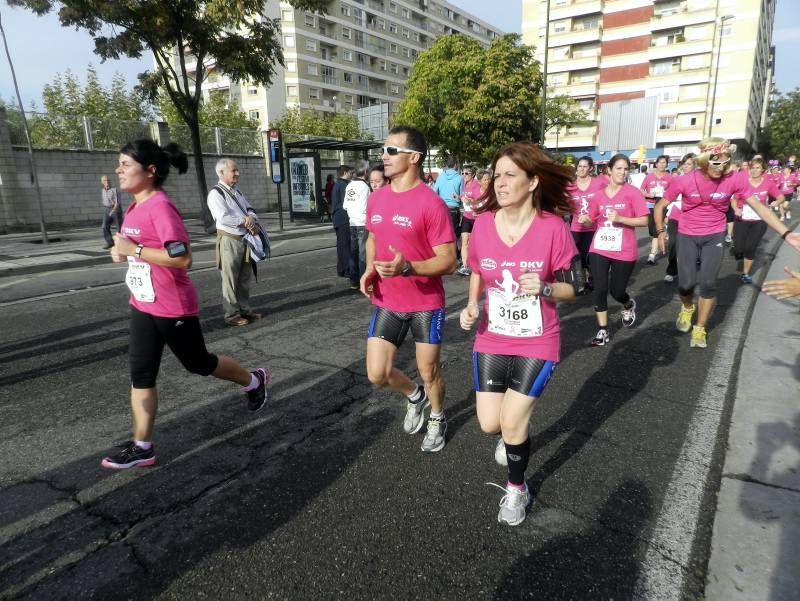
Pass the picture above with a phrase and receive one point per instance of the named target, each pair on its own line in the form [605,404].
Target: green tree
[115,112]
[186,37]
[781,136]
[309,122]
[470,100]
[240,136]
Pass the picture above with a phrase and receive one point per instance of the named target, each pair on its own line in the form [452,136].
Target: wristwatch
[139,249]
[407,269]
[547,291]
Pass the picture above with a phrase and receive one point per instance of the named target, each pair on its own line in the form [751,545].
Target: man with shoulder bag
[236,222]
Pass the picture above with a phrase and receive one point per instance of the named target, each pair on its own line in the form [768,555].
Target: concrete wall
[69,181]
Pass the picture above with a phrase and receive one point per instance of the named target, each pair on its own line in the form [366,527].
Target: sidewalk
[755,549]
[77,247]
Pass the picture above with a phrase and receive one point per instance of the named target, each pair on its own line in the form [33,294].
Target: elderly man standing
[234,217]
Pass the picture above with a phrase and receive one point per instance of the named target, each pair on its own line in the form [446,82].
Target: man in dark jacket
[341,222]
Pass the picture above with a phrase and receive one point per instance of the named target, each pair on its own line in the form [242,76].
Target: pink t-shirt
[546,247]
[704,201]
[788,183]
[154,223]
[627,202]
[581,201]
[472,192]
[413,222]
[767,190]
[654,187]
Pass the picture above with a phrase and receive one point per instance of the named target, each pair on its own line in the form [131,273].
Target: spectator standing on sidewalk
[341,222]
[355,203]
[111,209]
[234,217]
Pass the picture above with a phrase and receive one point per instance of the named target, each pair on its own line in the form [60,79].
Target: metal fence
[91,133]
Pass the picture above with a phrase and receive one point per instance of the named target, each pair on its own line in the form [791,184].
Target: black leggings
[672,247]
[610,275]
[583,240]
[746,236]
[182,335]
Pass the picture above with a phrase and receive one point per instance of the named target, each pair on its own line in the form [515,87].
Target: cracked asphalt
[321,495]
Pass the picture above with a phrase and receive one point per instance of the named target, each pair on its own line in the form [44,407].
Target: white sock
[143,444]
[438,415]
[417,395]
[253,383]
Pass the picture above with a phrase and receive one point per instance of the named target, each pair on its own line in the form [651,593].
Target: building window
[666,122]
[254,115]
[345,11]
[348,78]
[393,48]
[726,30]
[287,15]
[252,91]
[667,67]
[291,91]
[718,120]
[406,13]
[392,28]
[291,66]
[395,88]
[692,92]
[288,41]
[559,26]
[347,55]
[392,7]
[693,121]
[406,33]
[310,21]
[394,68]
[313,93]
[347,33]
[312,69]
[311,45]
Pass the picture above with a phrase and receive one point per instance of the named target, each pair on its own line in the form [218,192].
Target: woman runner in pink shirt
[705,200]
[164,309]
[618,209]
[750,228]
[653,186]
[522,255]
[582,192]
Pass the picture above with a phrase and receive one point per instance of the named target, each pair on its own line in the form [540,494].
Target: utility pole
[544,70]
[34,175]
[722,20]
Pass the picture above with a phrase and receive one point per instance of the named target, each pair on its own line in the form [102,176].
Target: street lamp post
[722,20]
[544,70]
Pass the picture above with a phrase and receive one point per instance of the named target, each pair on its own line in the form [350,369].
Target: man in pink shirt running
[411,245]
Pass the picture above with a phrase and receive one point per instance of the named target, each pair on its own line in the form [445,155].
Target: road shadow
[223,482]
[563,559]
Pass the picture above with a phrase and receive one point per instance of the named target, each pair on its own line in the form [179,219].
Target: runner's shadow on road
[563,560]
[626,372]
[223,483]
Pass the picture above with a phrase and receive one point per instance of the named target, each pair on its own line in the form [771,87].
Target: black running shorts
[426,326]
[498,373]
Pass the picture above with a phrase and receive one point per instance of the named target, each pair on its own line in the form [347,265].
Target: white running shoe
[629,315]
[415,415]
[435,436]
[651,259]
[513,505]
[669,278]
[500,452]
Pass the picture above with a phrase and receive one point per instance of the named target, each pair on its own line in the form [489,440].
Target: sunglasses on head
[393,150]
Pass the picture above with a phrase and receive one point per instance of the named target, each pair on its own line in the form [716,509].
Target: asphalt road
[322,495]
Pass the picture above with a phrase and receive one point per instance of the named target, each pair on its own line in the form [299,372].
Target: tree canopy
[470,100]
[781,136]
[317,123]
[186,37]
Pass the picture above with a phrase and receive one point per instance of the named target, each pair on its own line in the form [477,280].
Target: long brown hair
[550,195]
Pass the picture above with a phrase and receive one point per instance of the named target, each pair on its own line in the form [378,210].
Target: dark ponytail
[146,152]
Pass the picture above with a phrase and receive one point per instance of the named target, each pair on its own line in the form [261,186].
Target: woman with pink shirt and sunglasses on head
[705,200]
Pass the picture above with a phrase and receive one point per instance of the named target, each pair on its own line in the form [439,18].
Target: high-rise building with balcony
[695,56]
[359,54]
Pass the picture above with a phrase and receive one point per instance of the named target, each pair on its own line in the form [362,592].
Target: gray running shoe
[513,505]
[415,415]
[500,452]
[435,436]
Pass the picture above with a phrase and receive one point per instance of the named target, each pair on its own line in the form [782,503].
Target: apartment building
[359,54]
[681,51]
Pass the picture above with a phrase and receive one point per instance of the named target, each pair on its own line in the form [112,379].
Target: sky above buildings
[41,48]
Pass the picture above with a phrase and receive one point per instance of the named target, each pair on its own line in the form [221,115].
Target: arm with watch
[175,254]
[442,263]
[564,287]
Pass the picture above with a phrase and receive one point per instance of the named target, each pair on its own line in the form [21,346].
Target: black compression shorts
[425,326]
[498,373]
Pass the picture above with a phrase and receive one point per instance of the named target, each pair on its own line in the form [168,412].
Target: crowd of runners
[533,233]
